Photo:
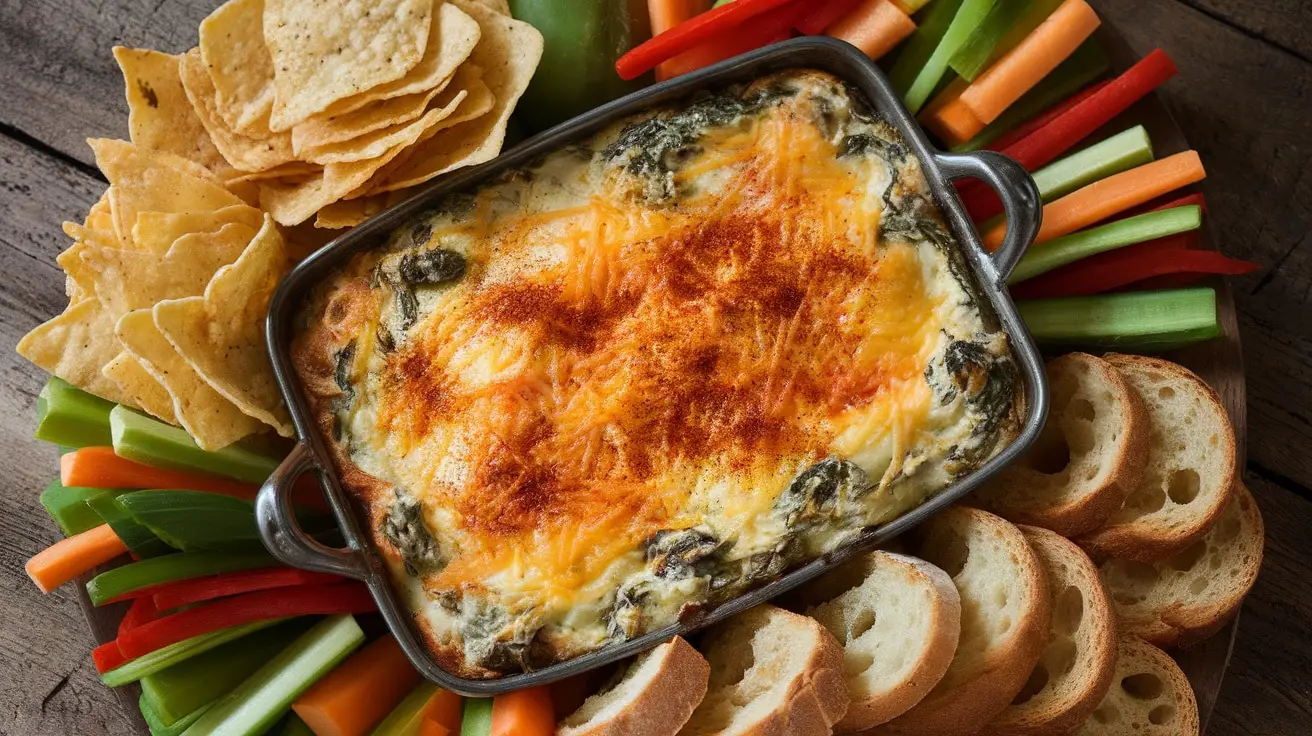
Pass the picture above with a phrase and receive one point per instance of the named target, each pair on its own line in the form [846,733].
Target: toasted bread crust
[664,705]
[965,707]
[1095,643]
[1122,713]
[1081,505]
[1145,540]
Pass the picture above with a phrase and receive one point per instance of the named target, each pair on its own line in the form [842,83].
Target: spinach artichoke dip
[652,371]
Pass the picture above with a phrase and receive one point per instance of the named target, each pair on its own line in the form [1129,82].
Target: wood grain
[1286,24]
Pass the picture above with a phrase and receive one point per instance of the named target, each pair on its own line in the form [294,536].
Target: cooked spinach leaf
[404,527]
[430,267]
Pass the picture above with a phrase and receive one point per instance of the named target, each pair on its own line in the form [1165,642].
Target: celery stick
[1121,152]
[263,697]
[157,725]
[968,16]
[181,689]
[67,505]
[1118,234]
[1085,65]
[974,55]
[172,654]
[145,440]
[136,575]
[67,415]
[138,538]
[1143,320]
[294,726]
[476,718]
[917,49]
[405,717]
[194,521]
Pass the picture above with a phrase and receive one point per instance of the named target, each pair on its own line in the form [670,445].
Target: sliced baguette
[1190,596]
[1190,468]
[898,628]
[772,672]
[1076,667]
[654,697]
[1149,696]
[1005,614]
[1090,454]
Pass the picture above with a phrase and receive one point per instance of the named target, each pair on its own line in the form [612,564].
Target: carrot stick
[874,26]
[432,728]
[1110,196]
[360,692]
[523,713]
[99,467]
[666,14]
[954,122]
[443,709]
[1024,66]
[68,558]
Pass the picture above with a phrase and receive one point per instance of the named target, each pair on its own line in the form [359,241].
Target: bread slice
[1090,454]
[654,696]
[1190,469]
[1075,670]
[1149,696]
[898,628]
[772,672]
[1005,614]
[1188,597]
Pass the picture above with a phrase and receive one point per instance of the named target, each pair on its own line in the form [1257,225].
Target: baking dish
[360,561]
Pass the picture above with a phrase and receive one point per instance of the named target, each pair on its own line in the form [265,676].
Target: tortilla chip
[155,232]
[79,278]
[289,170]
[221,334]
[349,212]
[239,65]
[136,381]
[508,54]
[213,421]
[98,228]
[154,181]
[379,142]
[452,37]
[328,50]
[256,150]
[159,116]
[74,345]
[323,131]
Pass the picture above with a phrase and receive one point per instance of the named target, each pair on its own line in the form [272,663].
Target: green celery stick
[968,16]
[1118,234]
[261,699]
[181,689]
[1150,321]
[157,725]
[67,505]
[1121,152]
[172,654]
[68,416]
[294,726]
[195,521]
[138,538]
[405,717]
[1075,73]
[145,440]
[476,718]
[916,50]
[167,568]
[974,55]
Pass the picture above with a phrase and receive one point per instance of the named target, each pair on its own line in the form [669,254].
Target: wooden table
[1244,99]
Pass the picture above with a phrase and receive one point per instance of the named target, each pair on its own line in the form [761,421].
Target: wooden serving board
[1219,362]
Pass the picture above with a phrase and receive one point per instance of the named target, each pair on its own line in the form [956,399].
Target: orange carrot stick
[360,692]
[523,713]
[666,14]
[1110,196]
[99,467]
[443,710]
[432,728]
[68,558]
[874,26]
[1024,66]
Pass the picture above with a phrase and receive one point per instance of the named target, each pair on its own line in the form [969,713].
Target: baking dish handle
[283,535]
[1020,200]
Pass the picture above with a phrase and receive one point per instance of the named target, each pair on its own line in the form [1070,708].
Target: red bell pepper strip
[142,611]
[722,22]
[824,15]
[195,590]
[1164,283]
[1167,202]
[244,609]
[761,31]
[108,657]
[1127,267]
[1047,116]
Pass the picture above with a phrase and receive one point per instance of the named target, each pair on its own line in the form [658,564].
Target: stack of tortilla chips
[288,112]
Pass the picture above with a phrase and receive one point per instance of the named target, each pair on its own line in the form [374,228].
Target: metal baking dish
[360,561]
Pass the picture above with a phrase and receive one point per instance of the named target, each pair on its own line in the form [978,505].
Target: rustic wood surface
[1243,99]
